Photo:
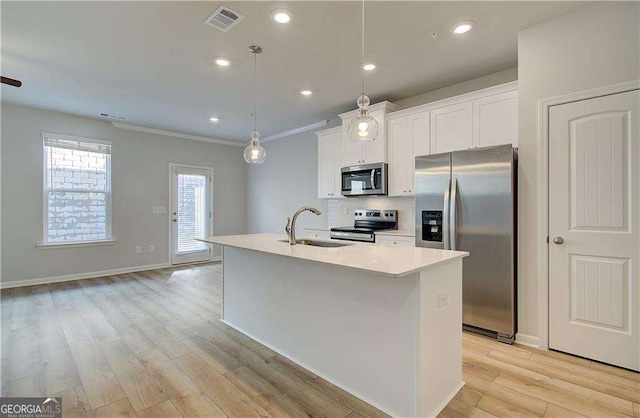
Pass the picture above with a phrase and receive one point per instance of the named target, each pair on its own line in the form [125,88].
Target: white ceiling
[151,61]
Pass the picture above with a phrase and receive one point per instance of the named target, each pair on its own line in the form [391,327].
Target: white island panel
[385,341]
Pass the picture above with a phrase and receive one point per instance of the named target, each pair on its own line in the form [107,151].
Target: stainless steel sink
[314,243]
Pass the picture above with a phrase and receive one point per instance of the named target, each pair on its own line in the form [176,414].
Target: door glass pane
[192,212]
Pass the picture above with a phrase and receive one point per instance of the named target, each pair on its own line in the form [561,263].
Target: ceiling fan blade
[10,81]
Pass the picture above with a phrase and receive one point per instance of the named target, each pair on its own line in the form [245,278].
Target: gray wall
[140,176]
[286,181]
[592,47]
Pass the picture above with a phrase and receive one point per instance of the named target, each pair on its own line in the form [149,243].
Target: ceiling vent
[224,19]
[112,116]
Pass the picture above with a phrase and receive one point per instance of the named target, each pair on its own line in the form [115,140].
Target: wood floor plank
[89,360]
[555,411]
[468,395]
[162,410]
[455,408]
[30,386]
[265,394]
[141,389]
[103,390]
[600,383]
[220,390]
[197,405]
[629,374]
[121,408]
[521,400]
[154,360]
[117,353]
[174,382]
[502,409]
[58,367]
[287,382]
[75,403]
[24,353]
[513,349]
[73,325]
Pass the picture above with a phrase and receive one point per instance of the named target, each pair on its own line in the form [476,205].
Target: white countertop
[394,261]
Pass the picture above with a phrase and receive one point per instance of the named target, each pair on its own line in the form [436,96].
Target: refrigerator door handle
[445,217]
[452,212]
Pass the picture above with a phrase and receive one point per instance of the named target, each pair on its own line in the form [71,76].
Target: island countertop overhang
[393,261]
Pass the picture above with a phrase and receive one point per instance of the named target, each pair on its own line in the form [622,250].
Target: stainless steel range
[366,222]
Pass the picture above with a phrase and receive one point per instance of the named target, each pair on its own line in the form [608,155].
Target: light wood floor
[150,345]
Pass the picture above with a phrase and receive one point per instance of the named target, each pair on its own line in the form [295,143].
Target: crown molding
[163,132]
[306,128]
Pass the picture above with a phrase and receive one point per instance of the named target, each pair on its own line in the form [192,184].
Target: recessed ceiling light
[281,16]
[369,66]
[306,92]
[214,120]
[222,61]
[462,27]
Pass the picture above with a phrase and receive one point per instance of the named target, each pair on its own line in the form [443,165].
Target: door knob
[558,240]
[175,220]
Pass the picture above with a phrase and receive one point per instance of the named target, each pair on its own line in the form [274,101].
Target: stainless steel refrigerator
[466,200]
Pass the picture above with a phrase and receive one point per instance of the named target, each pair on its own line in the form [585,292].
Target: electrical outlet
[159,209]
[138,249]
[152,248]
[346,210]
[443,299]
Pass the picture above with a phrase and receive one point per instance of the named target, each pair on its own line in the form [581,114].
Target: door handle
[373,179]
[558,240]
[175,220]
[445,217]
[452,215]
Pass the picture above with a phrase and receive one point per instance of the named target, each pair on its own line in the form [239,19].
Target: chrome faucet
[290,229]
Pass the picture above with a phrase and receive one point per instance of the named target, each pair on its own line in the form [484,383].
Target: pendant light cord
[255,87]
[362,63]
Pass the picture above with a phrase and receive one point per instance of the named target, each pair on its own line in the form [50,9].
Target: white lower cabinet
[408,137]
[329,163]
[396,240]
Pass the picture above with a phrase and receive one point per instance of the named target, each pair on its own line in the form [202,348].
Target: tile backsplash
[341,210]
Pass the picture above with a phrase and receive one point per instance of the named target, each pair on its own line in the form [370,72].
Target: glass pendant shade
[254,153]
[363,128]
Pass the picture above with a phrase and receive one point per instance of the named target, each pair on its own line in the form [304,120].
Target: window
[77,189]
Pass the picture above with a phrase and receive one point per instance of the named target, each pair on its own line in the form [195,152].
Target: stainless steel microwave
[364,180]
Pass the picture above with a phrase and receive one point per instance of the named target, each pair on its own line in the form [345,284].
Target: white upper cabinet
[451,128]
[495,120]
[372,152]
[329,163]
[408,137]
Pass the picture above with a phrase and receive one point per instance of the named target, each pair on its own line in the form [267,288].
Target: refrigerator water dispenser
[432,225]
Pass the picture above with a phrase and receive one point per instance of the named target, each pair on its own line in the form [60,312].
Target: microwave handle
[373,179]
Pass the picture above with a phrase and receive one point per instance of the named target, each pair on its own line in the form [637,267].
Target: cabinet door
[403,241]
[495,120]
[399,151]
[326,166]
[338,163]
[354,153]
[451,128]
[419,145]
[376,151]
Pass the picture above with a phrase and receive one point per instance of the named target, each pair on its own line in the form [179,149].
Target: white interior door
[190,214]
[594,231]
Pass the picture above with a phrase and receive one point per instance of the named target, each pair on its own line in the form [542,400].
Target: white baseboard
[80,276]
[216,258]
[529,340]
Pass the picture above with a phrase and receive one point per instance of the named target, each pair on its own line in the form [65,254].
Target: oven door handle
[373,179]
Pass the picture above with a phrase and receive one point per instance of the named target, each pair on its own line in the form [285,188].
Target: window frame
[45,243]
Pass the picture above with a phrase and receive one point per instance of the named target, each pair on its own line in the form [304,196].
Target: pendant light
[254,153]
[363,128]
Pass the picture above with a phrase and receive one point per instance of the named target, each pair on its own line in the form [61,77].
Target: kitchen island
[382,322]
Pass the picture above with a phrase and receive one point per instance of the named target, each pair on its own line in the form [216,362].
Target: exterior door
[594,229]
[190,214]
